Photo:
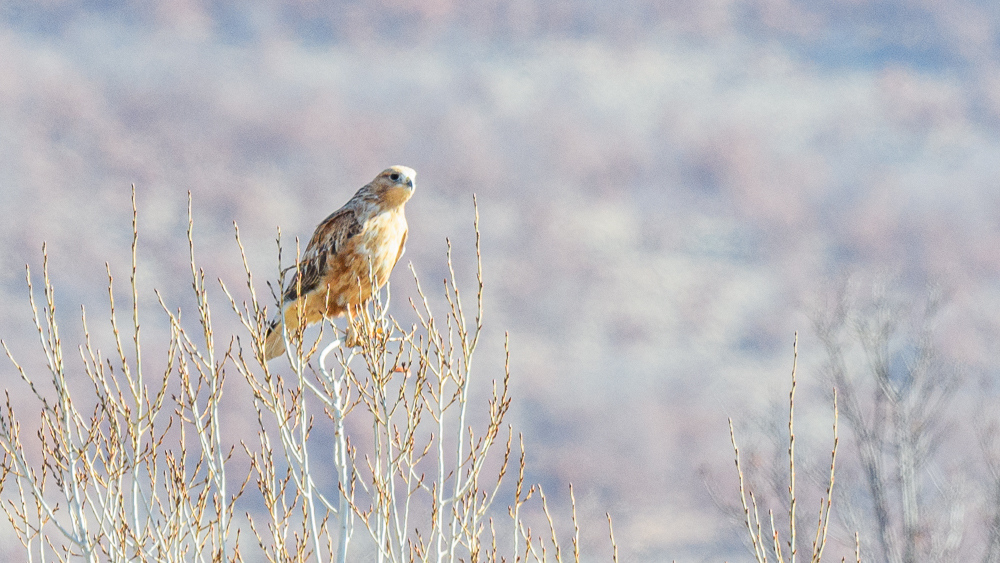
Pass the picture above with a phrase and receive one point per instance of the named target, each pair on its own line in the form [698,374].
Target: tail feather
[274,342]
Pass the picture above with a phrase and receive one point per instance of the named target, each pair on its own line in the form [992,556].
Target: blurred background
[668,191]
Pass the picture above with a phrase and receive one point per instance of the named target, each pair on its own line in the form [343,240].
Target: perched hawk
[365,236]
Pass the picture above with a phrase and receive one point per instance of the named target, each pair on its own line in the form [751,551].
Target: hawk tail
[274,342]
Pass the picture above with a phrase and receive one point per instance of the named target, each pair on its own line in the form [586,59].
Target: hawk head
[394,185]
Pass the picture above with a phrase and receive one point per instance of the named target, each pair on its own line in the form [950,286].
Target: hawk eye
[394,176]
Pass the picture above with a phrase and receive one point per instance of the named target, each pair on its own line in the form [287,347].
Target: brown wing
[328,240]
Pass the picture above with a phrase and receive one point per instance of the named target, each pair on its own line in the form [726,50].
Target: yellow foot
[353,338]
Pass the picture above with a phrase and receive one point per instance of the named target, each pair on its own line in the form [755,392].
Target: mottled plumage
[365,236]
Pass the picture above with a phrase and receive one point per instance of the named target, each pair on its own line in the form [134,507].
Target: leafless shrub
[139,477]
[144,475]
[766,539]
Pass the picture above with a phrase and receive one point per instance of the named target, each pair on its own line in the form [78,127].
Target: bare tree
[895,394]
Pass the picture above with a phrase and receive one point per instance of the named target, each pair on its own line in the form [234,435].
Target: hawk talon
[353,338]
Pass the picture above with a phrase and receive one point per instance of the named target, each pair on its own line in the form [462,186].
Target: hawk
[361,240]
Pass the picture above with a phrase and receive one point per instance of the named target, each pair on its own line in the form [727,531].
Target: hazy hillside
[668,191]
